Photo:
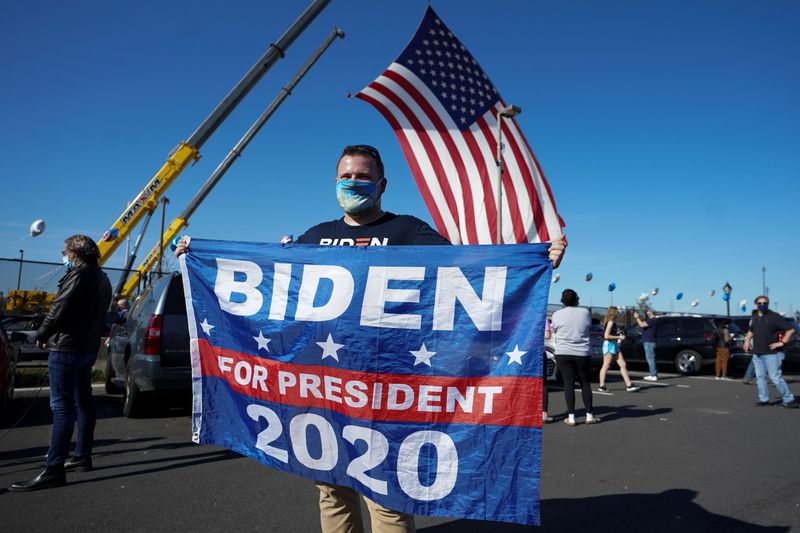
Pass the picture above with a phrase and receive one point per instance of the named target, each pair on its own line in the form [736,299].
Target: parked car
[8,366]
[21,331]
[682,342]
[149,352]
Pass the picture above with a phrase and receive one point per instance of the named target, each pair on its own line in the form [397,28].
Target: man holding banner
[360,183]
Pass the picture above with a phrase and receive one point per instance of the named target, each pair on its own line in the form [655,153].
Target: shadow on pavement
[668,511]
[615,412]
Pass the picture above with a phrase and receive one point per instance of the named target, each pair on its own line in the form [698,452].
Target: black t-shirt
[649,333]
[765,331]
[389,230]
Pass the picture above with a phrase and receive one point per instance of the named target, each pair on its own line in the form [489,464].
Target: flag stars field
[330,348]
[422,355]
[516,355]
[262,341]
[206,327]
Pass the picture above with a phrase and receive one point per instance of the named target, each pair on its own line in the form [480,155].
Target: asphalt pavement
[682,454]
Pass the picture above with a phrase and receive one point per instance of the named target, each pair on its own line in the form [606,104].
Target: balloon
[644,296]
[589,276]
[654,291]
[711,293]
[679,296]
[743,308]
[612,286]
[743,303]
[37,228]
[556,277]
[695,302]
[726,297]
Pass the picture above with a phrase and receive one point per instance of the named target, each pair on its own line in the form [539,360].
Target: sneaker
[791,405]
[761,404]
[632,388]
[650,378]
[548,419]
[602,389]
[569,422]
[594,420]
[726,378]
[717,377]
[747,381]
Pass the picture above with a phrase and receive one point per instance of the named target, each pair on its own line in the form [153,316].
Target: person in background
[122,313]
[649,342]
[768,334]
[613,336]
[71,331]
[571,326]
[547,336]
[721,340]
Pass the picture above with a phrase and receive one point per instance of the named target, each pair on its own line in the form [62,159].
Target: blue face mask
[763,307]
[67,263]
[356,196]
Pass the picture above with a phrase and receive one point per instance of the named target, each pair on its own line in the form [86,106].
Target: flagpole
[506,112]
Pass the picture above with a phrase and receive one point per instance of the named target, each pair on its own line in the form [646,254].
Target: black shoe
[791,405]
[51,476]
[83,464]
[761,404]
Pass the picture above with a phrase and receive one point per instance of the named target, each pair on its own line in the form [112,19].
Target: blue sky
[669,131]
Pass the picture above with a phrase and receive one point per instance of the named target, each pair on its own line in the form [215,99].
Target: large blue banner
[412,374]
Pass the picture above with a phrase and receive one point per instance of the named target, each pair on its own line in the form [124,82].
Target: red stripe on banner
[455,155]
[495,400]
[508,187]
[416,172]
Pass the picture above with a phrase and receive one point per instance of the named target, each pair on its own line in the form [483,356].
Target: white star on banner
[329,348]
[422,356]
[262,341]
[515,356]
[206,327]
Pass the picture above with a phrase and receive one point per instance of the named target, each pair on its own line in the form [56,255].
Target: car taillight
[152,337]
[707,336]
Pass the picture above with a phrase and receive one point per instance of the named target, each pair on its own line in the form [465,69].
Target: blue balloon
[726,297]
[744,308]
[679,296]
[589,276]
[612,286]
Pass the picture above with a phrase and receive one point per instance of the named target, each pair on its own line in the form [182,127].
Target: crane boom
[182,220]
[189,151]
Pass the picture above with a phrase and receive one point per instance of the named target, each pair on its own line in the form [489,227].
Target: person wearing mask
[767,335]
[571,325]
[71,332]
[613,336]
[649,342]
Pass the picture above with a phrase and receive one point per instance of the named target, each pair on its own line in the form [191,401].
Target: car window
[689,325]
[175,303]
[666,328]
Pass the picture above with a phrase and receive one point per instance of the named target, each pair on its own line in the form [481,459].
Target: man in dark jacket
[71,331]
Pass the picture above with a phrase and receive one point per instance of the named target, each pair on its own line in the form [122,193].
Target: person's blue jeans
[650,355]
[770,365]
[751,370]
[71,400]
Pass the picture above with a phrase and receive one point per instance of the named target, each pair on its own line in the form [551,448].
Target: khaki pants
[340,512]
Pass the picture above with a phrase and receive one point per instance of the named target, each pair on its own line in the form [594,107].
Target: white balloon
[742,303]
[644,296]
[37,228]
[695,302]
[556,277]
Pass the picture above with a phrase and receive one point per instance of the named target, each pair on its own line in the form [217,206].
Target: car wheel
[111,387]
[688,362]
[133,402]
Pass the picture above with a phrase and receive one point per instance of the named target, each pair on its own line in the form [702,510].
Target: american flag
[443,109]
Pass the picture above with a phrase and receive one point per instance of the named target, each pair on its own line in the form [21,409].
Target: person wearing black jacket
[71,332]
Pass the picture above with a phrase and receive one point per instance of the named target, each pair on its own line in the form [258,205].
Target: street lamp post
[19,275]
[727,289]
[507,112]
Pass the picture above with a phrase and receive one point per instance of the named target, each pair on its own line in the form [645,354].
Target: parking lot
[683,454]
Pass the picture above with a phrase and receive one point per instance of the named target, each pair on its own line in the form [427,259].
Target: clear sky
[669,130]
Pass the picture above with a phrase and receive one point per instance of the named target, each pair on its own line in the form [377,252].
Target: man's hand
[746,345]
[183,247]
[557,248]
[777,345]
[42,345]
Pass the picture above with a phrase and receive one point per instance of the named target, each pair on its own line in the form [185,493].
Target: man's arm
[781,344]
[558,247]
[57,311]
[747,337]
